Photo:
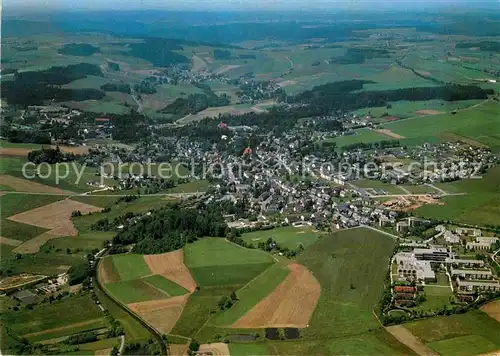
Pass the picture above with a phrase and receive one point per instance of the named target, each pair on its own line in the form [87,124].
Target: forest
[158,51]
[482,45]
[33,87]
[171,227]
[79,49]
[122,88]
[194,103]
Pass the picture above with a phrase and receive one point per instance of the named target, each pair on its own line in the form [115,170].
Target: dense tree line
[26,136]
[34,87]
[195,103]
[79,272]
[121,87]
[81,338]
[59,75]
[170,228]
[50,155]
[482,45]
[78,49]
[220,54]
[359,55]
[145,87]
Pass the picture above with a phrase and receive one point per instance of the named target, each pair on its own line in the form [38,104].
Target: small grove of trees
[51,155]
[226,302]
[81,338]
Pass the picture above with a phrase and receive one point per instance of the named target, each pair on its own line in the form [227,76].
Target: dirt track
[410,340]
[171,266]
[56,217]
[291,304]
[24,185]
[161,314]
[389,133]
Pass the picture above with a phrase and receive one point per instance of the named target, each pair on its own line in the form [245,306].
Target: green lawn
[251,294]
[131,266]
[458,334]
[160,282]
[289,237]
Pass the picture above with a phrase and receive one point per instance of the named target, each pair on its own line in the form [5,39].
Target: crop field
[251,294]
[161,314]
[171,266]
[214,261]
[290,237]
[136,290]
[13,204]
[167,286]
[131,266]
[463,334]
[55,217]
[492,309]
[247,349]
[56,319]
[291,304]
[24,185]
[480,206]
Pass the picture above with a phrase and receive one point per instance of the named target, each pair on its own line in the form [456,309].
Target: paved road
[173,195]
[122,344]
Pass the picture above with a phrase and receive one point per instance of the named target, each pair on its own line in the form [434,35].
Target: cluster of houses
[32,294]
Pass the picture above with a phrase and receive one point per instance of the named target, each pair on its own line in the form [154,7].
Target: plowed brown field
[291,304]
[24,185]
[56,217]
[410,340]
[171,266]
[161,314]
[492,309]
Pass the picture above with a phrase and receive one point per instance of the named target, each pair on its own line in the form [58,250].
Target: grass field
[131,266]
[253,349]
[195,314]
[350,266]
[462,334]
[479,207]
[160,282]
[132,291]
[214,261]
[289,237]
[379,185]
[56,319]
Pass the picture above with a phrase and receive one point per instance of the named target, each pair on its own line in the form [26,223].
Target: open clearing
[291,304]
[171,266]
[215,349]
[56,217]
[23,185]
[161,314]
[492,309]
[407,338]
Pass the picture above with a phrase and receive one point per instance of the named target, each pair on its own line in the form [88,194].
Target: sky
[244,4]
